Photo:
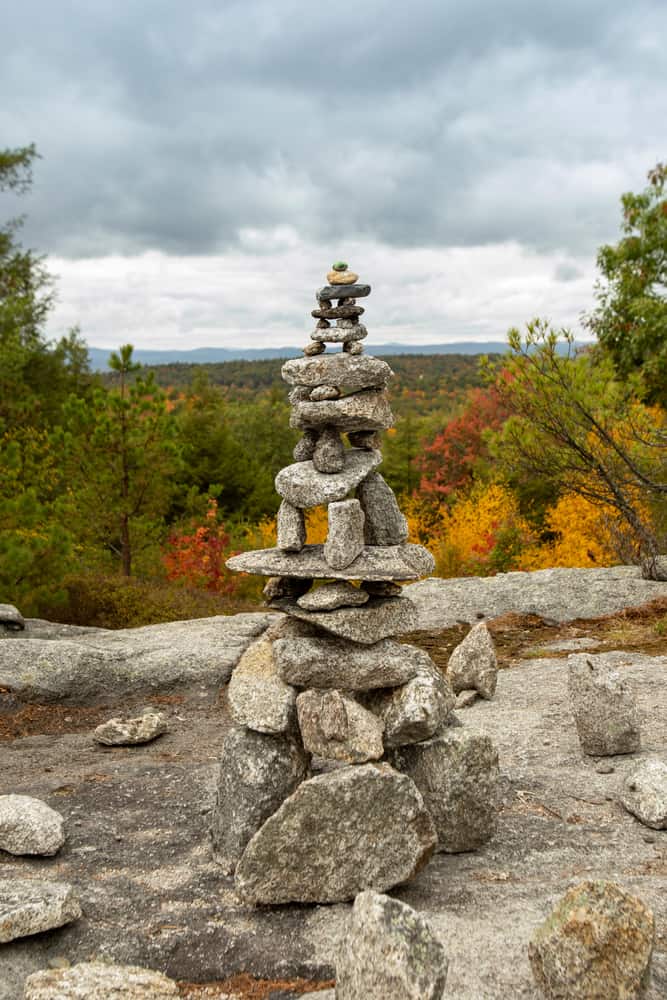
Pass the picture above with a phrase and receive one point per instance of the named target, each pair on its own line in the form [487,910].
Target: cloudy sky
[204,163]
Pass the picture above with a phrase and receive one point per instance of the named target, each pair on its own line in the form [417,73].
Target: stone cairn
[344,771]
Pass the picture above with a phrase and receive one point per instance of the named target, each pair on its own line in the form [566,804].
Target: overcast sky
[203,164]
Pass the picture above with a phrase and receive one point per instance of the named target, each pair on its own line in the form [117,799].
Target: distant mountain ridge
[99,356]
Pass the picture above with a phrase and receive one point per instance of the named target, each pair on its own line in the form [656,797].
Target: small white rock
[644,793]
[473,663]
[465,699]
[29,826]
[130,732]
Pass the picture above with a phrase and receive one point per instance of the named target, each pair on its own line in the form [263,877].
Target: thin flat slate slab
[328,662]
[303,486]
[100,981]
[349,371]
[376,562]
[366,410]
[380,618]
[356,828]
[30,906]
[329,292]
[29,826]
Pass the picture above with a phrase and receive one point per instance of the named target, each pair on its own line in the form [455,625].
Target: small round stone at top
[339,265]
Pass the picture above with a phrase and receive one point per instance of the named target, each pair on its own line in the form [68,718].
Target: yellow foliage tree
[481,534]
[582,535]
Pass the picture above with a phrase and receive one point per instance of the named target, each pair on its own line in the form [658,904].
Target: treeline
[440,373]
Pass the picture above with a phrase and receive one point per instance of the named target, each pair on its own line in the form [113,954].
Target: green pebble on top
[340,265]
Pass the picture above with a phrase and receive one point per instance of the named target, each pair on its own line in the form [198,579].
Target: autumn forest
[122,494]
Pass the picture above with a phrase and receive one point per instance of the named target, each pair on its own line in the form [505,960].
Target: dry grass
[245,987]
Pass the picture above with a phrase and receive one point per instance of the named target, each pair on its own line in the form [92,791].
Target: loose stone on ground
[29,826]
[30,906]
[604,706]
[11,618]
[118,732]
[389,953]
[473,663]
[644,793]
[595,945]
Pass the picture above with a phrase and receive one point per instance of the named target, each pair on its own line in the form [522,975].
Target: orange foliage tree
[449,461]
[197,557]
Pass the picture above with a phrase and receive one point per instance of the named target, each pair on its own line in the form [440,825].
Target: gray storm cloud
[176,127]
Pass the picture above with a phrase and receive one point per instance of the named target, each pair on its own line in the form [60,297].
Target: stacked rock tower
[314,804]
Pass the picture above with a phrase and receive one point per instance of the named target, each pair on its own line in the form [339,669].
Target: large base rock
[257,773]
[29,906]
[457,774]
[389,953]
[100,981]
[338,834]
[604,707]
[595,945]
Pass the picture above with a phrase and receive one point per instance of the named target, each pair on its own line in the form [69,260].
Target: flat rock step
[351,371]
[376,562]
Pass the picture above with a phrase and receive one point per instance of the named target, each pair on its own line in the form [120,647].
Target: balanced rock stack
[327,690]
